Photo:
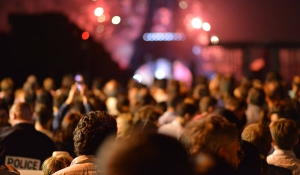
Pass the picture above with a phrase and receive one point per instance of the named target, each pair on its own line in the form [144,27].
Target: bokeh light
[164,36]
[160,74]
[101,18]
[98,11]
[196,50]
[138,78]
[206,26]
[116,20]
[214,40]
[183,4]
[100,29]
[85,35]
[196,23]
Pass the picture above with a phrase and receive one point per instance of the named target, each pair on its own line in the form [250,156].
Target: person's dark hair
[123,103]
[250,159]
[274,90]
[227,86]
[63,137]
[236,103]
[43,113]
[200,91]
[161,106]
[58,100]
[273,76]
[284,133]
[227,114]
[174,100]
[4,106]
[144,97]
[260,136]
[201,80]
[92,130]
[147,112]
[256,96]
[97,83]
[205,164]
[45,97]
[207,102]
[145,120]
[286,110]
[173,87]
[186,108]
[29,93]
[68,125]
[149,154]
[160,83]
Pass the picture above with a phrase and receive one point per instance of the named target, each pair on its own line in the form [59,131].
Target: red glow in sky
[230,20]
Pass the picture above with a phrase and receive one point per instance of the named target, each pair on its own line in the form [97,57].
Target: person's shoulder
[7,131]
[270,159]
[85,168]
[61,172]
[279,170]
[44,139]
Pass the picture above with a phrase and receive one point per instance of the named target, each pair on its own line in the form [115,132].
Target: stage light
[206,26]
[100,29]
[196,23]
[160,74]
[196,50]
[145,37]
[163,69]
[101,18]
[85,35]
[183,5]
[98,11]
[116,20]
[164,36]
[169,36]
[214,40]
[138,78]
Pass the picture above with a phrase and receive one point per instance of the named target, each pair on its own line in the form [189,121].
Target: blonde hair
[55,163]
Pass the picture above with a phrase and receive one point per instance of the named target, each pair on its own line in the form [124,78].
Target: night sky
[254,20]
[231,20]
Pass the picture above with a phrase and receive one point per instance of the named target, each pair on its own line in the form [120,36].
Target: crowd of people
[219,126]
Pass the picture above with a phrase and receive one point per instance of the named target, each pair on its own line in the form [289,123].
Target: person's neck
[40,127]
[170,109]
[276,148]
[19,121]
[180,120]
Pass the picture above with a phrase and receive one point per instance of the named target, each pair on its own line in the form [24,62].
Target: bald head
[20,112]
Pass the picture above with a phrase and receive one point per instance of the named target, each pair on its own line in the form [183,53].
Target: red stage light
[85,35]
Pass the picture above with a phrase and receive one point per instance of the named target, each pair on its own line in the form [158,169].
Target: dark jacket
[274,170]
[24,147]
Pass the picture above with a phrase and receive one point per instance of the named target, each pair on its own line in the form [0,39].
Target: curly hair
[92,130]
